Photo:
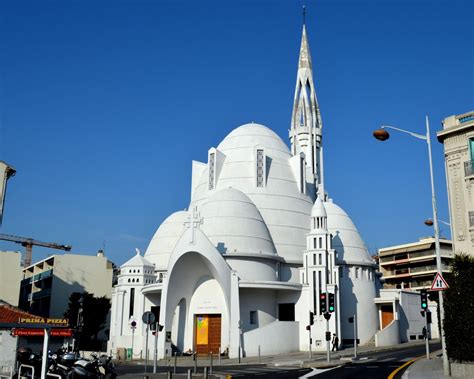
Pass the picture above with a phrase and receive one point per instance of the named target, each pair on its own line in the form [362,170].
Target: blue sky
[105,104]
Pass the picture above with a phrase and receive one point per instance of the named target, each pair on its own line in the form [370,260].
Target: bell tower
[306,125]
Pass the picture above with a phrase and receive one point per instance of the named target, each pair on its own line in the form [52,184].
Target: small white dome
[165,239]
[137,261]
[346,239]
[318,209]
[234,225]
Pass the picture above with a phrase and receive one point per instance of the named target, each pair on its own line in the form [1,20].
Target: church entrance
[207,333]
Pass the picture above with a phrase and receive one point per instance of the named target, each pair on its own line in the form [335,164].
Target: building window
[260,168]
[286,312]
[314,243]
[471,219]
[302,176]
[314,260]
[132,301]
[253,317]
[320,259]
[357,272]
[320,242]
[212,167]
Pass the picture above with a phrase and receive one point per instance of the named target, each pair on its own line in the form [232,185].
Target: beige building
[458,139]
[413,265]
[10,276]
[47,284]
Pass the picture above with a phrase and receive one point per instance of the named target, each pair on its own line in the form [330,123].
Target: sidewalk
[299,359]
[423,368]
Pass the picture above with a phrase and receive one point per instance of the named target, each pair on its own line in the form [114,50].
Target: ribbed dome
[164,240]
[234,225]
[250,135]
[284,208]
[346,239]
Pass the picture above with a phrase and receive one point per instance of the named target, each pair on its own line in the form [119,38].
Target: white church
[244,266]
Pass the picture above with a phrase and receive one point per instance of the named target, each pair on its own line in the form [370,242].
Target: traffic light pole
[328,343]
[426,336]
[310,352]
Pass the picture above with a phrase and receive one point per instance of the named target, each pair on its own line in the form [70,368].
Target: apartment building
[457,137]
[10,276]
[48,284]
[413,265]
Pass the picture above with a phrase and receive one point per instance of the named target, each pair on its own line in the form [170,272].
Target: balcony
[43,293]
[469,168]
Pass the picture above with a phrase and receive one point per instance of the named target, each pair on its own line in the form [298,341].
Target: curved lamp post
[383,135]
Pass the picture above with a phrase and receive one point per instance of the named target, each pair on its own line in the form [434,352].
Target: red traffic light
[323,296]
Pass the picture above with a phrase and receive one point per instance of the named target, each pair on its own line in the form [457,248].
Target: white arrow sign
[439,283]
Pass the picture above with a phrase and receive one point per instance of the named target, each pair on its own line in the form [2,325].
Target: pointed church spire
[305,56]
[306,124]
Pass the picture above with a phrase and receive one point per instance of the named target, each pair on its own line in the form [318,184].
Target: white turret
[320,272]
[306,124]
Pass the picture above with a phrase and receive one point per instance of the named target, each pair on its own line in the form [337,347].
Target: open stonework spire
[306,124]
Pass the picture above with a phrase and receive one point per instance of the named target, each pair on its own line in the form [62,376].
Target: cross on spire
[193,221]
[304,14]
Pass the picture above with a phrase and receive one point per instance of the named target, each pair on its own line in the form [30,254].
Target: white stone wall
[357,297]
[7,350]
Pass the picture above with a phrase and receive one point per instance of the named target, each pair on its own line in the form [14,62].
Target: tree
[94,317]
[459,309]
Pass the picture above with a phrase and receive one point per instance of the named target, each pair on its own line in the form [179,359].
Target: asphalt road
[370,366]
[377,365]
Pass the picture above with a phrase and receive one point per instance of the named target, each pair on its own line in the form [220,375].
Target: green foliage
[459,310]
[94,317]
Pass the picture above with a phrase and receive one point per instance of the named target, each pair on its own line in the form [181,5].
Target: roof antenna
[304,14]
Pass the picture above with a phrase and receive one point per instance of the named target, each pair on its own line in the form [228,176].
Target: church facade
[245,266]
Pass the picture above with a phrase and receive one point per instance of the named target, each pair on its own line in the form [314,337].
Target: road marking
[387,360]
[394,372]
[316,371]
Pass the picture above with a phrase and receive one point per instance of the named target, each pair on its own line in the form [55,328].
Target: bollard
[145,377]
[170,375]
[189,373]
[220,357]
[195,363]
[175,362]
[210,364]
[205,373]
[259,357]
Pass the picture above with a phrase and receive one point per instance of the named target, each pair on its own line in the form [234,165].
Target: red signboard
[40,332]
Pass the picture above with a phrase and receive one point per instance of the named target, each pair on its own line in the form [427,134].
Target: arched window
[129,280]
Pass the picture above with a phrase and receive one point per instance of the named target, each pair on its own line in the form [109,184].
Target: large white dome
[284,209]
[346,239]
[234,225]
[164,240]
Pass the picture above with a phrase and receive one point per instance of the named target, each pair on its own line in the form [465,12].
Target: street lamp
[383,135]
[429,222]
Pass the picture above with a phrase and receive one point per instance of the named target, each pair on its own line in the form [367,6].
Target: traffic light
[331,302]
[424,300]
[322,303]
[311,318]
[328,336]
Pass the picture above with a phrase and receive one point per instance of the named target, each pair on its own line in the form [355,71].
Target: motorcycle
[98,367]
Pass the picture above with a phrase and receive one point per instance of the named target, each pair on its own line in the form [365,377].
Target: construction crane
[28,244]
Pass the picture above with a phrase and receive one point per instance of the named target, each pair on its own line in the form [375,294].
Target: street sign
[148,318]
[439,284]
